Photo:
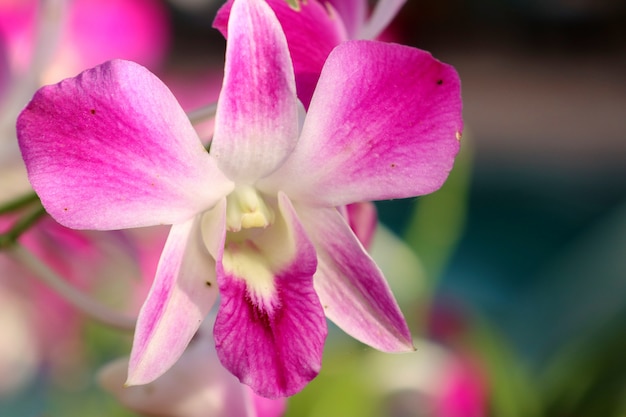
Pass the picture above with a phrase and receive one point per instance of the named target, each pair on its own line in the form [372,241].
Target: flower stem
[10,237]
[82,302]
[19,203]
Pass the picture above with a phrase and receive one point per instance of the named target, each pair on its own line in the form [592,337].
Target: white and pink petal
[351,287]
[384,123]
[312,31]
[112,149]
[183,292]
[256,123]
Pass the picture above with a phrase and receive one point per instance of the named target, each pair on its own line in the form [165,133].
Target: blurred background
[513,276]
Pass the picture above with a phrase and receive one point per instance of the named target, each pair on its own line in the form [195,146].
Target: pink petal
[353,13]
[112,149]
[383,14]
[363,219]
[384,123]
[312,32]
[352,289]
[182,294]
[272,338]
[256,124]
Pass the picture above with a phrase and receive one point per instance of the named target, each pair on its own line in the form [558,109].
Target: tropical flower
[257,215]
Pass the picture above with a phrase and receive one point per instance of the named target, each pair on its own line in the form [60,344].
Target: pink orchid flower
[255,216]
[196,386]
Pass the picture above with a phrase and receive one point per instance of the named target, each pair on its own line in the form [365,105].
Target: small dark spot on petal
[65,209]
[92,111]
[393,165]
[439,82]
[208,284]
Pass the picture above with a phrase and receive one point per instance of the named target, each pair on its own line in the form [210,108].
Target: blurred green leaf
[439,218]
[588,378]
[339,390]
[512,392]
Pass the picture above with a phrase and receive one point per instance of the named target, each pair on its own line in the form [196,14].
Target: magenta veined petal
[112,149]
[256,124]
[384,123]
[351,287]
[312,32]
[184,290]
[271,334]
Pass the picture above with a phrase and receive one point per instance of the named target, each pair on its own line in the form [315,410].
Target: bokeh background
[513,276]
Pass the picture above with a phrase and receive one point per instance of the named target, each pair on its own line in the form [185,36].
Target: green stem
[19,203]
[82,302]
[9,238]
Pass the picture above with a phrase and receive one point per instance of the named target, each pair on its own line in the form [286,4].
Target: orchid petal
[312,31]
[256,124]
[352,289]
[182,294]
[383,14]
[384,123]
[270,327]
[353,13]
[111,149]
[363,220]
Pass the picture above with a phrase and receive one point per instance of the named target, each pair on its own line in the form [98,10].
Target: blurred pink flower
[463,390]
[434,381]
[89,32]
[196,386]
[49,323]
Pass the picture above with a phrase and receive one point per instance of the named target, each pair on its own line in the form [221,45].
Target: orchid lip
[246,209]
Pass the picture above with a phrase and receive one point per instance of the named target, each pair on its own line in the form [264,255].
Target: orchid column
[256,217]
